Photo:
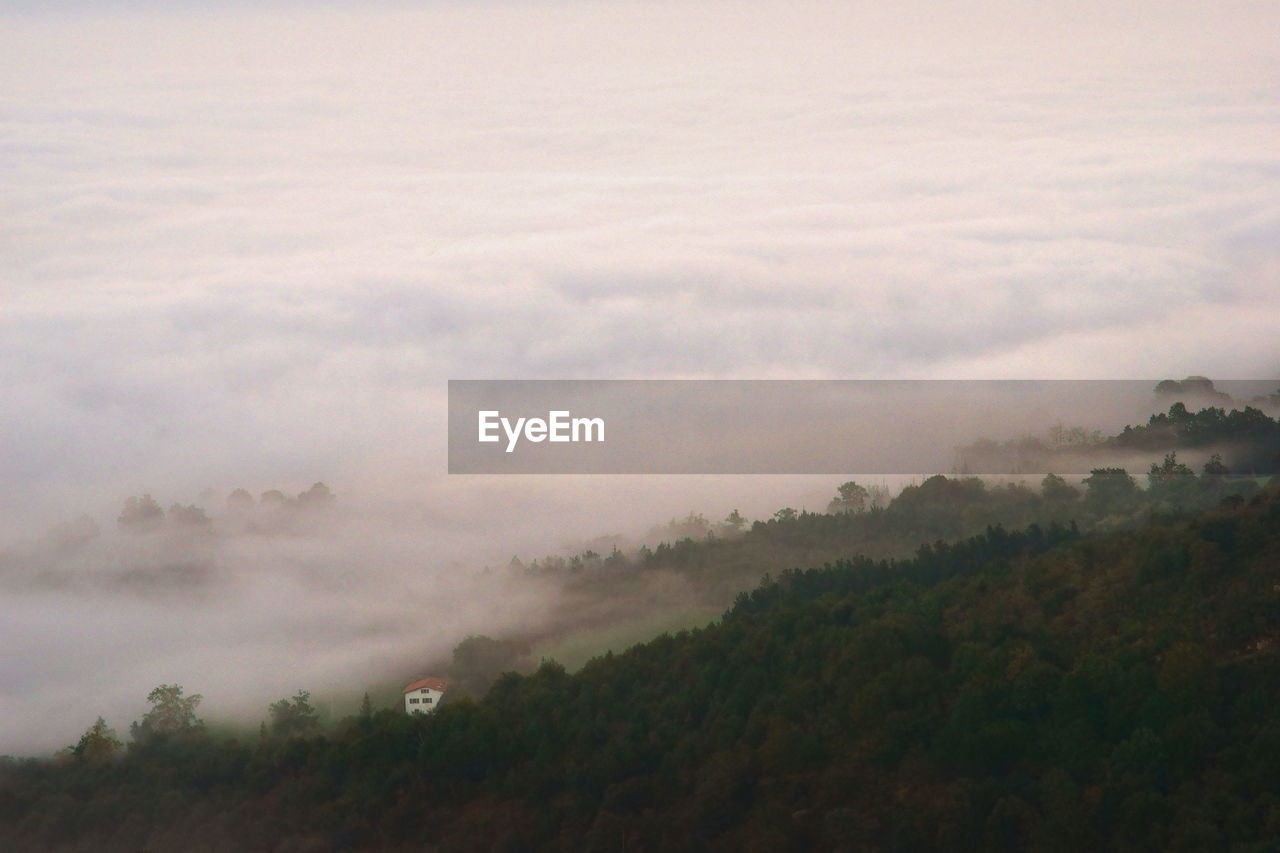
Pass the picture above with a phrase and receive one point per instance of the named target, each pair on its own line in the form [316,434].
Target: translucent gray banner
[795,427]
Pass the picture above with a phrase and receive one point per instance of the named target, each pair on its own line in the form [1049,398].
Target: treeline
[1249,438]
[1039,689]
[142,514]
[733,554]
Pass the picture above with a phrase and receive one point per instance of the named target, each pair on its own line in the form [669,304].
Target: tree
[1056,489]
[1169,471]
[139,514]
[1171,480]
[1200,387]
[296,716]
[98,745]
[170,713]
[692,526]
[1214,467]
[1076,436]
[240,501]
[1109,489]
[316,497]
[850,497]
[733,522]
[785,514]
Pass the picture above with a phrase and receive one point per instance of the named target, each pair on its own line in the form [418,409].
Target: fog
[247,247]
[253,606]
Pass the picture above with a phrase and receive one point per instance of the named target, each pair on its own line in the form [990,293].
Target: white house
[423,695]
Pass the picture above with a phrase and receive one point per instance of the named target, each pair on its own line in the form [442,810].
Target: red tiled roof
[432,683]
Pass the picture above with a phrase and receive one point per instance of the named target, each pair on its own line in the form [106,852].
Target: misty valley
[312,318]
[1010,661]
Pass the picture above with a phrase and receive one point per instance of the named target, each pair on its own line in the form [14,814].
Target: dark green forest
[1090,664]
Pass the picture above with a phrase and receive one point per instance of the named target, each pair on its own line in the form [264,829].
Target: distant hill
[1200,421]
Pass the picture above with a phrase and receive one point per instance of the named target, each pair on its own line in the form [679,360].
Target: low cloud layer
[248,607]
[249,246]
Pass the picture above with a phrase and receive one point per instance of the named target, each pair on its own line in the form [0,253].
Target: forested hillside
[714,562]
[1041,689]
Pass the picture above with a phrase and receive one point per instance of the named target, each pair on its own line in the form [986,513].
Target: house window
[423,690]
[426,701]
[413,701]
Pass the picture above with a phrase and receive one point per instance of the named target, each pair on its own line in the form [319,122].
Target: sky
[247,246]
